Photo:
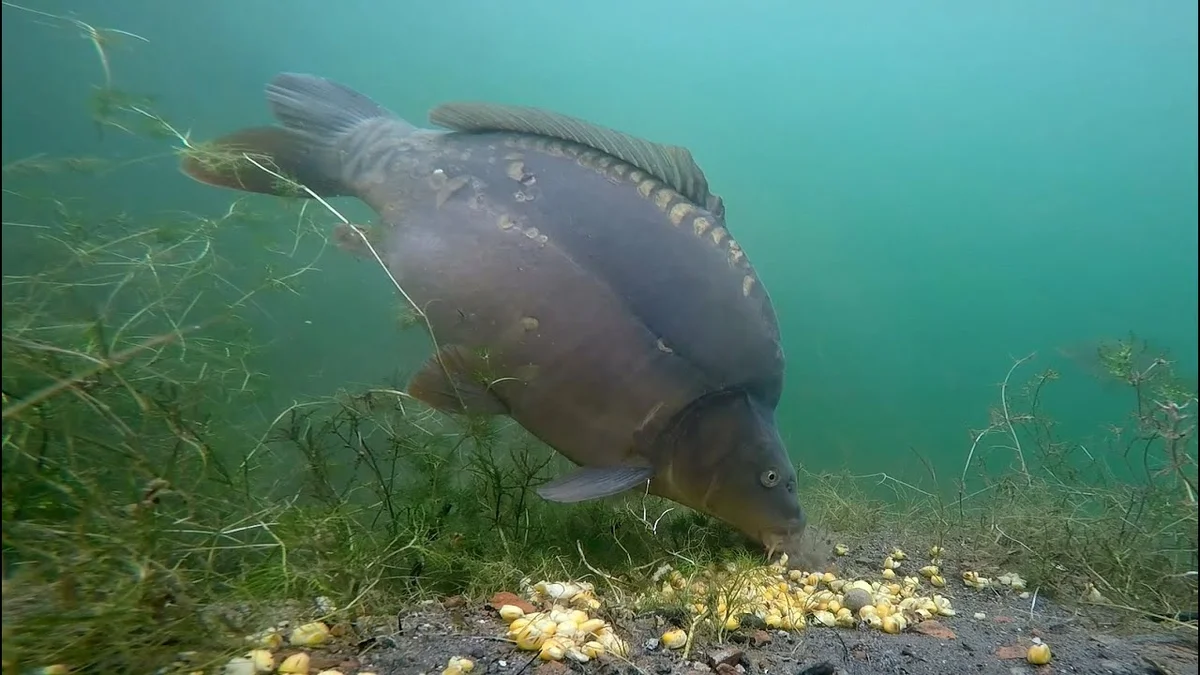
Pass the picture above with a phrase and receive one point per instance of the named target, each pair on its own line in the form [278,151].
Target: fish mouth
[806,553]
[780,540]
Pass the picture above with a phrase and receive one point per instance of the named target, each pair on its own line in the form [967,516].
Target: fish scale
[677,272]
[598,372]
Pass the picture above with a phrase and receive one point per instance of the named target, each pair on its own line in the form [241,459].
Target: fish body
[568,282]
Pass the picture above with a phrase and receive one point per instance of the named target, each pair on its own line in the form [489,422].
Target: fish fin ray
[586,483]
[316,114]
[237,161]
[450,382]
[670,163]
[320,108]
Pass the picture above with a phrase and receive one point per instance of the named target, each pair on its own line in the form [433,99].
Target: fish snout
[808,549]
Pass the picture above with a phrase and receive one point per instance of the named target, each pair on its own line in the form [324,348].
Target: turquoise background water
[927,189]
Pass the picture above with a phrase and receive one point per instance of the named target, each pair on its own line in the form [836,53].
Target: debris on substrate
[730,620]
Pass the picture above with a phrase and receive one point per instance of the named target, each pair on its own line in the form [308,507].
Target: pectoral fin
[455,380]
[594,482]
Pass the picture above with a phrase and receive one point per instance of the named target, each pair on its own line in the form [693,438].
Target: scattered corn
[552,649]
[825,618]
[458,665]
[511,613]
[674,639]
[1012,580]
[894,623]
[296,664]
[1093,594]
[309,635]
[564,630]
[1038,654]
[973,580]
[263,660]
[267,639]
[723,596]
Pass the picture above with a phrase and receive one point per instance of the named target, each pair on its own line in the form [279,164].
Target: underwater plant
[151,507]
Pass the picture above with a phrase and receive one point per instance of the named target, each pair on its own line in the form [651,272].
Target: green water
[927,189]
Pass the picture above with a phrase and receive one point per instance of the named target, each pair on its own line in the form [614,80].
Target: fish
[577,279]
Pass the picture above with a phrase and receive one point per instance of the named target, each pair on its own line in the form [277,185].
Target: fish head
[729,461]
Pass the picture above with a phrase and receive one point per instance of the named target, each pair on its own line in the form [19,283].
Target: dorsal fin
[670,163]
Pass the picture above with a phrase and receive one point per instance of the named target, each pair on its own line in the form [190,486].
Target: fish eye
[769,478]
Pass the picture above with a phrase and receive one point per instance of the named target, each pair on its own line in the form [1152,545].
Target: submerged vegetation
[144,515]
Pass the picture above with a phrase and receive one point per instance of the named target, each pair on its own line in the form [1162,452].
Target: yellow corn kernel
[552,650]
[825,618]
[591,626]
[264,661]
[511,613]
[1039,654]
[296,664]
[674,638]
[310,634]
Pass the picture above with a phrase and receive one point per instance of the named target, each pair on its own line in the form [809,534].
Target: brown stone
[505,598]
[730,658]
[934,629]
[1009,652]
[759,638]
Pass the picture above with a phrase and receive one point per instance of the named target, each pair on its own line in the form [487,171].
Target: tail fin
[316,114]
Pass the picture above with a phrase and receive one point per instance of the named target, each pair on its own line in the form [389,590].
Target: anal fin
[455,380]
[594,482]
